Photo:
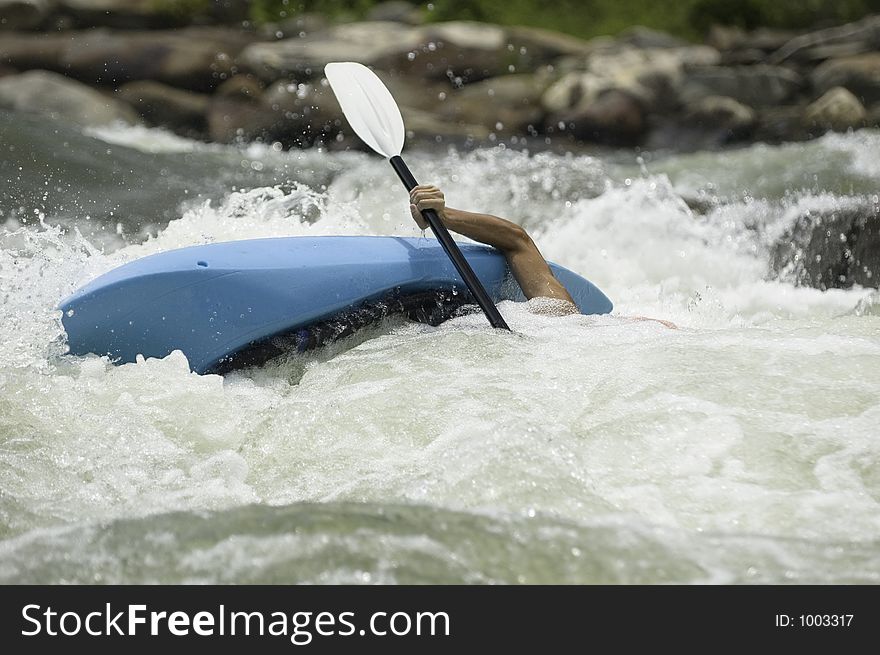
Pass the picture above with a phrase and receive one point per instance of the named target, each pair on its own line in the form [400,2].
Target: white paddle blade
[368,105]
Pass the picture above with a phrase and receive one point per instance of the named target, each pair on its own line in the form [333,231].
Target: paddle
[374,116]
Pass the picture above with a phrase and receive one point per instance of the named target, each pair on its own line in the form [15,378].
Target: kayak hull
[212,301]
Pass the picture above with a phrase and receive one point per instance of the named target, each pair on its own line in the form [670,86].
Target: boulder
[159,104]
[43,92]
[507,104]
[780,124]
[194,58]
[426,95]
[730,119]
[32,51]
[645,38]
[756,86]
[426,128]
[462,51]
[652,76]
[852,38]
[23,14]
[728,38]
[859,75]
[299,25]
[232,120]
[535,47]
[397,11]
[831,249]
[139,14]
[744,57]
[126,14]
[294,114]
[305,57]
[837,109]
[707,123]
[739,47]
[615,118]
[240,86]
[226,12]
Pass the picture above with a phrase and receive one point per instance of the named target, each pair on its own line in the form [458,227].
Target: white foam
[757,417]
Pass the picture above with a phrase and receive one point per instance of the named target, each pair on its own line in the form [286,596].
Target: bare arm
[525,260]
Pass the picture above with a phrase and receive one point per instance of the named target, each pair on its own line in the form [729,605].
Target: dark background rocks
[471,82]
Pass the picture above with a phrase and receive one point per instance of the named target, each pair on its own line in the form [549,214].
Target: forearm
[485,228]
[526,263]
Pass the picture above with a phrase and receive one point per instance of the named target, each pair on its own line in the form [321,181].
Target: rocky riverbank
[215,76]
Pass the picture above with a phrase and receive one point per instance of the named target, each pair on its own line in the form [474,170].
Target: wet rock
[43,92]
[397,11]
[831,249]
[615,117]
[193,58]
[739,47]
[126,14]
[730,119]
[708,123]
[535,47]
[852,38]
[756,86]
[859,74]
[226,12]
[507,104]
[305,57]
[232,120]
[240,86]
[461,51]
[312,102]
[32,51]
[765,40]
[646,38]
[652,76]
[427,129]
[426,95]
[294,114]
[837,109]
[780,124]
[22,14]
[139,14]
[159,104]
[458,51]
[300,25]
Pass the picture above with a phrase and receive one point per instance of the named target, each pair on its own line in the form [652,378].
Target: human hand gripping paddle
[374,116]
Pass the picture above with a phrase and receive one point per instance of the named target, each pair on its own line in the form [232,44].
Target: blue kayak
[238,303]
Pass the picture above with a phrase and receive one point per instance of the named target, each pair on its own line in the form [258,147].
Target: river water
[741,448]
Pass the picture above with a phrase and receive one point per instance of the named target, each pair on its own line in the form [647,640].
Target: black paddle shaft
[452,250]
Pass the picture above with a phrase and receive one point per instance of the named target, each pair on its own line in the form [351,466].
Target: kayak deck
[221,301]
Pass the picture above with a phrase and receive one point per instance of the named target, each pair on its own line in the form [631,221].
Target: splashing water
[741,447]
